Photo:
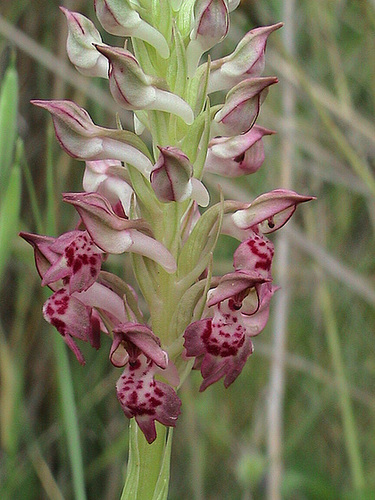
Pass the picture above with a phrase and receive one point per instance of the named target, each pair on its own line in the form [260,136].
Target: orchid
[142,199]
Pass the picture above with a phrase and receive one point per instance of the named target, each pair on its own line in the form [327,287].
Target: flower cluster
[142,197]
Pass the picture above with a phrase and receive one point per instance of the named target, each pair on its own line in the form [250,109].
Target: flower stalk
[142,199]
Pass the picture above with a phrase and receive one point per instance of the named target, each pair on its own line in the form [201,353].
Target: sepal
[134,90]
[270,211]
[242,106]
[171,175]
[238,155]
[82,139]
[247,60]
[211,24]
[82,35]
[119,18]
[115,234]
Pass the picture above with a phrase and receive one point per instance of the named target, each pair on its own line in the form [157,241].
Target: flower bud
[172,178]
[238,155]
[269,211]
[119,18]
[246,61]
[211,24]
[82,139]
[133,89]
[82,34]
[241,107]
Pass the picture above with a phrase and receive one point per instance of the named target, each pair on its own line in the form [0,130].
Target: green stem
[147,476]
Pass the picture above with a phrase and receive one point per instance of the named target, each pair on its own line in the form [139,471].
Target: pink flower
[238,155]
[269,211]
[82,139]
[140,395]
[240,303]
[133,89]
[247,60]
[222,344]
[70,266]
[114,234]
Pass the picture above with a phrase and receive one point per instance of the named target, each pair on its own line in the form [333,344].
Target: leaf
[162,486]
[195,132]
[176,71]
[197,250]
[8,122]
[9,215]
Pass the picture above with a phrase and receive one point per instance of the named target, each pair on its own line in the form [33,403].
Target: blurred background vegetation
[299,422]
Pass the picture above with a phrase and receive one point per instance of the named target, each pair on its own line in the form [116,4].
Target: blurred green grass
[220,446]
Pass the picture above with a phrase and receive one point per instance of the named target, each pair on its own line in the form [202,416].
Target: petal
[82,34]
[81,262]
[104,298]
[242,106]
[146,399]
[143,338]
[153,249]
[234,284]
[70,317]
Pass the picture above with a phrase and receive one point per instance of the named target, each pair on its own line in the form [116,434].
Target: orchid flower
[238,155]
[143,198]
